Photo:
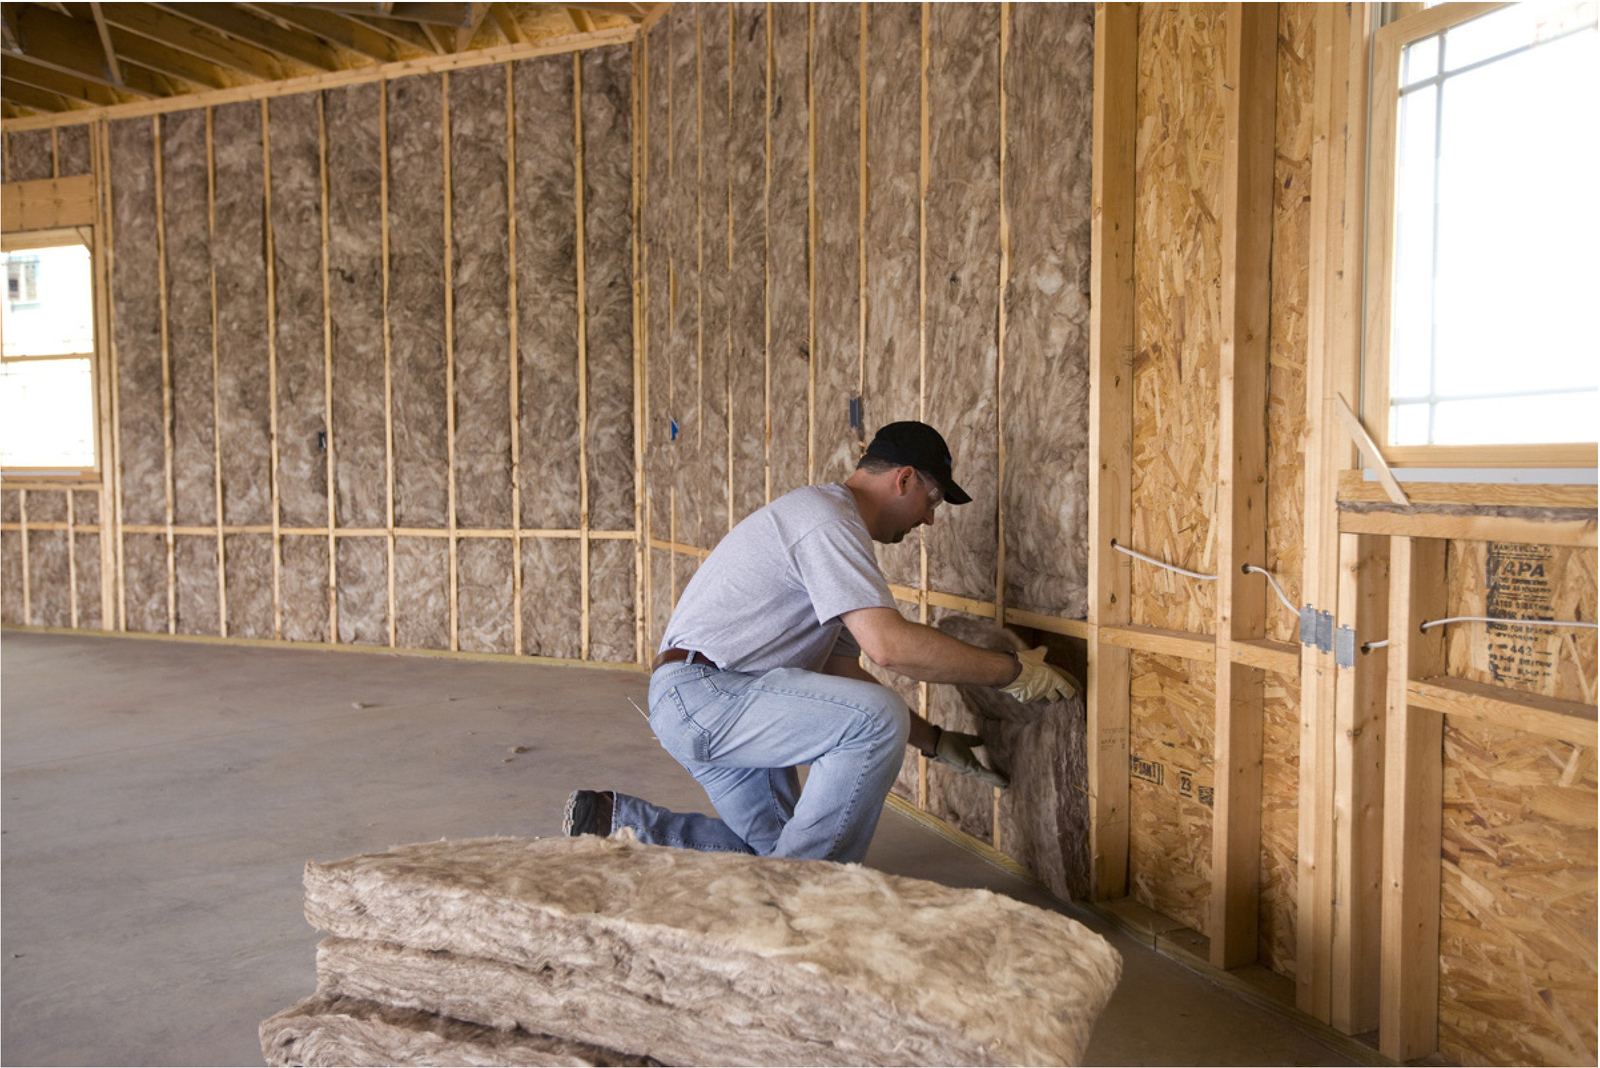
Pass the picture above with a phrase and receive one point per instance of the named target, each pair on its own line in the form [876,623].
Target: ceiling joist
[70,56]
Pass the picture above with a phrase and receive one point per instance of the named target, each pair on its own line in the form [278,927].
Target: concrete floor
[161,799]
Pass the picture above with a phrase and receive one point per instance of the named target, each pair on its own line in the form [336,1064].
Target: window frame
[1389,44]
[59,237]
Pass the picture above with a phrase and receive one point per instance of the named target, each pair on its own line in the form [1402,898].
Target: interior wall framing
[319,356]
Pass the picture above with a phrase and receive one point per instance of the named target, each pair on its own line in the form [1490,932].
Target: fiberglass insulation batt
[699,958]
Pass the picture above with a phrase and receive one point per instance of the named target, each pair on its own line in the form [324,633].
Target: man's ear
[903,480]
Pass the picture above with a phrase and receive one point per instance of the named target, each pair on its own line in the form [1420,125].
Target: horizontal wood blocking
[1567,721]
[1354,487]
[1579,533]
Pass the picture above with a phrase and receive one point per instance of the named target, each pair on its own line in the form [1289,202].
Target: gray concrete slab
[160,800]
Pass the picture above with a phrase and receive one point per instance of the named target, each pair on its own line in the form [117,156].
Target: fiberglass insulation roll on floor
[698,958]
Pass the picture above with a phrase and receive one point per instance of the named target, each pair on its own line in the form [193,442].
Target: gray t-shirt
[771,592]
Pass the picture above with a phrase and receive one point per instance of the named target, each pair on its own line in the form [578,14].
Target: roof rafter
[344,32]
[183,35]
[135,51]
[263,34]
[104,31]
[20,68]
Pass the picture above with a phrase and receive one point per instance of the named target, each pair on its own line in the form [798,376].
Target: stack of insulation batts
[604,951]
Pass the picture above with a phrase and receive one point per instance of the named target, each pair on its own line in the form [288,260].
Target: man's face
[915,507]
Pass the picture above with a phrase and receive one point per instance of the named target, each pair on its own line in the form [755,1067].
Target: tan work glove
[955,751]
[1039,681]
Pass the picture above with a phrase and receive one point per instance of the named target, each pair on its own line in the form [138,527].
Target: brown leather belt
[671,656]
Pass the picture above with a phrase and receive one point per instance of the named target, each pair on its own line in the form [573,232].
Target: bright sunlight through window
[47,409]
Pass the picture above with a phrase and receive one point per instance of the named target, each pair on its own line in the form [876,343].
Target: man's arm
[919,652]
[924,735]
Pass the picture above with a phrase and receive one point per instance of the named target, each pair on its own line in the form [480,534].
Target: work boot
[588,812]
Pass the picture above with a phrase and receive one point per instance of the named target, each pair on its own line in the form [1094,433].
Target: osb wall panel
[191,355]
[788,256]
[299,348]
[893,362]
[547,295]
[1280,822]
[1172,714]
[356,306]
[711,466]
[136,323]
[244,403]
[1177,309]
[416,308]
[480,237]
[1516,581]
[963,290]
[1049,94]
[836,112]
[1517,936]
[608,294]
[747,298]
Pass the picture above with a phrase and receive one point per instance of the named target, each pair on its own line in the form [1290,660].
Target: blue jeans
[742,736]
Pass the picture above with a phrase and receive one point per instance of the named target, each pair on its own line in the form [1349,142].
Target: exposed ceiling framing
[63,57]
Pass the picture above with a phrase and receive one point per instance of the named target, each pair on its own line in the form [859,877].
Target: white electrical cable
[1429,624]
[1253,569]
[1161,563]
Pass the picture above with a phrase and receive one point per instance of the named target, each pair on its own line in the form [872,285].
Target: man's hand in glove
[955,751]
[1038,681]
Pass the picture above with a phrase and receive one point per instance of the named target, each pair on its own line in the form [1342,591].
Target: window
[1483,346]
[47,388]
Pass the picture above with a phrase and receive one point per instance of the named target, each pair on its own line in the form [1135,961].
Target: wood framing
[1111,436]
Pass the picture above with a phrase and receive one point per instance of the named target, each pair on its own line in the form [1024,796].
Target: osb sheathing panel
[1280,821]
[608,288]
[295,129]
[1518,581]
[248,565]
[49,585]
[551,596]
[481,242]
[611,601]
[189,314]
[199,607]
[659,190]
[893,361]
[788,257]
[11,600]
[547,294]
[29,156]
[422,593]
[303,584]
[684,337]
[417,358]
[74,152]
[963,264]
[1172,712]
[747,299]
[712,431]
[1517,935]
[136,323]
[244,402]
[836,354]
[1288,337]
[484,593]
[355,310]
[1049,87]
[1177,310]
[144,577]
[86,551]
[363,594]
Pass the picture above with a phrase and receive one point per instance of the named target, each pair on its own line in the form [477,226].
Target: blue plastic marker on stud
[674,430]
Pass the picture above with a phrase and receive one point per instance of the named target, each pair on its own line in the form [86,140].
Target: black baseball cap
[920,446]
